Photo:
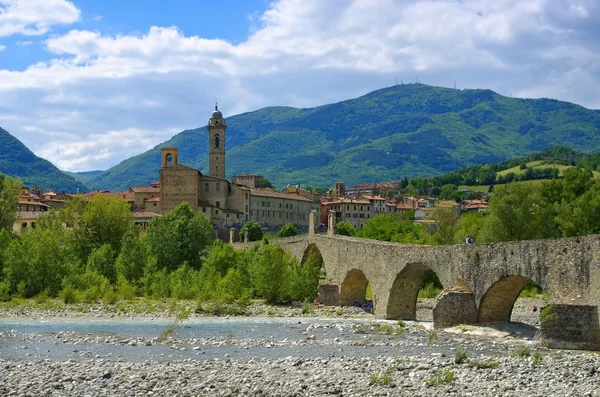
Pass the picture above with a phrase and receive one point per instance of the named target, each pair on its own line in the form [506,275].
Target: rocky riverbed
[281,351]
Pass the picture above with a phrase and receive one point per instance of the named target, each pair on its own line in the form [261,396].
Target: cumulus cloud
[34,17]
[103,97]
[2,47]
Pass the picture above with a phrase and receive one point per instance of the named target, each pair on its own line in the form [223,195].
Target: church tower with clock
[216,144]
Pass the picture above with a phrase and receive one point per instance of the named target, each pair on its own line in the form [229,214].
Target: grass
[460,356]
[383,379]
[441,377]
[532,290]
[171,328]
[484,364]
[521,351]
[536,358]
[429,291]
[432,336]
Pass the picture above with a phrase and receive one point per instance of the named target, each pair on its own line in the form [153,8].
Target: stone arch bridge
[481,281]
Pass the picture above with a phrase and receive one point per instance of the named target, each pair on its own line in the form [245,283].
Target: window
[246,196]
[354,208]
[228,215]
[216,212]
[263,212]
[262,204]
[246,207]
[169,159]
[229,189]
[354,215]
[268,203]
[218,187]
[361,207]
[218,204]
[291,206]
[203,209]
[361,216]
[206,187]
[280,205]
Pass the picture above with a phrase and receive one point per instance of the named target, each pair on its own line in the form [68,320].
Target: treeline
[564,207]
[490,174]
[91,251]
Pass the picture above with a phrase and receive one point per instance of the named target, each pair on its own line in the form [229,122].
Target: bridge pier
[565,326]
[453,308]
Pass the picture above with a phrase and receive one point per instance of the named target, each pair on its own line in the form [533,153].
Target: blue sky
[89,83]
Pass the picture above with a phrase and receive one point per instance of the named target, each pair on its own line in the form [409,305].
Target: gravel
[426,366]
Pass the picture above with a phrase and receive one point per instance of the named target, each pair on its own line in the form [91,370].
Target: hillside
[404,130]
[18,161]
[84,176]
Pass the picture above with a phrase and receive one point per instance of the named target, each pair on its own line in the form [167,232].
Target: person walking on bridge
[469,240]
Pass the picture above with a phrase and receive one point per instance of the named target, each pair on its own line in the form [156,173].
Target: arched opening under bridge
[498,303]
[355,290]
[312,256]
[413,280]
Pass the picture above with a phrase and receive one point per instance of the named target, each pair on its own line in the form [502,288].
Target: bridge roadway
[481,281]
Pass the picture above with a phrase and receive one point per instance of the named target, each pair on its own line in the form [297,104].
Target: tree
[388,228]
[255,232]
[132,258]
[449,192]
[445,218]
[262,182]
[102,261]
[287,230]
[179,236]
[270,271]
[107,220]
[38,260]
[305,280]
[10,190]
[344,229]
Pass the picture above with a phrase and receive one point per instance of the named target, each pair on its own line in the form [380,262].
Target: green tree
[255,232]
[344,229]
[179,236]
[102,261]
[39,260]
[107,220]
[449,192]
[270,271]
[10,190]
[262,182]
[445,219]
[133,257]
[388,228]
[287,230]
[305,280]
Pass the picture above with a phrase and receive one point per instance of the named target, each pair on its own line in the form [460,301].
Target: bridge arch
[354,288]
[497,303]
[402,302]
[312,250]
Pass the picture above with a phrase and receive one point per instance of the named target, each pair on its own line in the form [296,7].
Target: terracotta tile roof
[266,192]
[344,200]
[25,202]
[143,189]
[124,195]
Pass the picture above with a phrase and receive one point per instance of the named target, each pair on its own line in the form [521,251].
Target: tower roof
[216,114]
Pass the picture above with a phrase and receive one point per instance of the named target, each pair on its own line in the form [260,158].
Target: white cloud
[24,43]
[34,17]
[301,53]
[2,47]
[98,18]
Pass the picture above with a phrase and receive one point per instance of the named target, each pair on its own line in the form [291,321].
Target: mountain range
[18,161]
[404,130]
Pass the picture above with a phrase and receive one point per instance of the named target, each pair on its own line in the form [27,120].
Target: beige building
[271,208]
[353,211]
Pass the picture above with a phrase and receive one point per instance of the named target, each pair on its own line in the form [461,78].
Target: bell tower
[216,144]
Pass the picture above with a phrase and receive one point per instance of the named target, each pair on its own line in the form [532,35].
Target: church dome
[216,114]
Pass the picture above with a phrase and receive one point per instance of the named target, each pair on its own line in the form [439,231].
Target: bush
[68,294]
[521,351]
[4,292]
[287,230]
[484,364]
[344,229]
[440,377]
[102,261]
[460,356]
[255,232]
[270,271]
[124,289]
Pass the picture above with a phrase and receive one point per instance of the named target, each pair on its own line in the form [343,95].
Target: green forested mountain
[18,161]
[84,176]
[404,130]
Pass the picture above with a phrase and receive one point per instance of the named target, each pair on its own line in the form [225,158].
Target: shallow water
[65,339]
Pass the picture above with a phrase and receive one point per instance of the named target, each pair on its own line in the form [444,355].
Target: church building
[224,203]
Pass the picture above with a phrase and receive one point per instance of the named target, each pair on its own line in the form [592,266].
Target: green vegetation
[287,230]
[521,351]
[344,229]
[440,377]
[102,257]
[10,191]
[18,161]
[255,232]
[484,364]
[381,379]
[548,316]
[536,357]
[405,130]
[460,356]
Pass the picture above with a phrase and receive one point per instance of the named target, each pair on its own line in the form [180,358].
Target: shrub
[429,291]
[102,261]
[4,292]
[68,294]
[521,351]
[124,289]
[383,379]
[287,230]
[440,377]
[484,364]
[536,358]
[255,232]
[270,270]
[460,356]
[432,336]
[344,229]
